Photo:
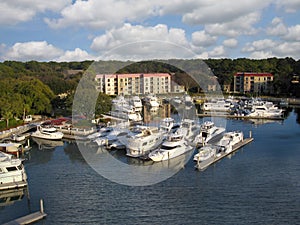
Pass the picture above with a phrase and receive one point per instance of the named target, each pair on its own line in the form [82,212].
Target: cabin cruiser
[112,137]
[142,140]
[10,148]
[175,145]
[206,152]
[266,110]
[168,125]
[136,102]
[208,133]
[47,132]
[189,129]
[12,172]
[217,105]
[229,140]
[102,132]
[152,101]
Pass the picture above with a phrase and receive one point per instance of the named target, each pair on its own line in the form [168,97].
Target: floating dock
[31,218]
[206,163]
[237,116]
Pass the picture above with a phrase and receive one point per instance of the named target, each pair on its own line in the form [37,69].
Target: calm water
[259,184]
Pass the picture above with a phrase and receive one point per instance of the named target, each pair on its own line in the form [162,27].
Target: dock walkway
[31,218]
[204,164]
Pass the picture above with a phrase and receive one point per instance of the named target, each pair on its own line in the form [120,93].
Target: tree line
[32,87]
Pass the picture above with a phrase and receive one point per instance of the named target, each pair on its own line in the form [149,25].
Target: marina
[168,144]
[267,168]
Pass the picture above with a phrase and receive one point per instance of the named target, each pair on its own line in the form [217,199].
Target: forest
[33,87]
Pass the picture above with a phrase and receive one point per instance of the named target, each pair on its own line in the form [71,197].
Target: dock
[31,218]
[224,115]
[204,164]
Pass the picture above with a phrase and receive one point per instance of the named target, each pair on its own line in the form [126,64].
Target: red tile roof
[254,74]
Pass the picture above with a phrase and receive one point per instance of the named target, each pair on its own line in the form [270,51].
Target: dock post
[250,134]
[41,206]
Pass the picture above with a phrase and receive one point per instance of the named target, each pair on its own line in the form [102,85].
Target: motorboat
[136,102]
[208,133]
[206,152]
[142,140]
[168,125]
[266,110]
[10,148]
[189,129]
[47,132]
[217,105]
[126,114]
[230,139]
[112,137]
[175,145]
[12,172]
[102,132]
[18,137]
[152,101]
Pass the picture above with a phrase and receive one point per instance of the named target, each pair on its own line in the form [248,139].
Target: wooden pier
[206,163]
[31,218]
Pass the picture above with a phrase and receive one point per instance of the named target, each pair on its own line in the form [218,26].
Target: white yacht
[142,140]
[136,102]
[205,152]
[12,172]
[266,110]
[208,133]
[217,105]
[47,132]
[152,101]
[189,129]
[123,110]
[102,132]
[10,148]
[168,125]
[174,146]
[230,139]
[113,136]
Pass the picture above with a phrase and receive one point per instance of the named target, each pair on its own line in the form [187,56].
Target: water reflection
[9,197]
[297,111]
[44,144]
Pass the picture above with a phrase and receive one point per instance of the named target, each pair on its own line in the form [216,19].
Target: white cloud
[259,45]
[230,43]
[270,48]
[15,11]
[277,27]
[240,26]
[293,33]
[76,55]
[290,6]
[34,50]
[211,12]
[201,38]
[41,51]
[217,52]
[128,39]
[103,13]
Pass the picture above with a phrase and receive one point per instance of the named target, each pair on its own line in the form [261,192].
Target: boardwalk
[204,164]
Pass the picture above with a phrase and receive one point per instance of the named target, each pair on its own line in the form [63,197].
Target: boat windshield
[164,147]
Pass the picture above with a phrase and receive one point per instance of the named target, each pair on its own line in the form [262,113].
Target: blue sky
[65,30]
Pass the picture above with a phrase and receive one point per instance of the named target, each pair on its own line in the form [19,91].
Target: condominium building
[130,84]
[253,82]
